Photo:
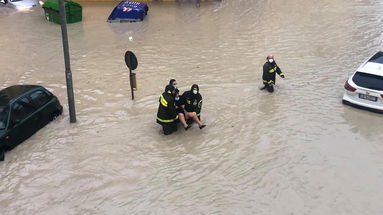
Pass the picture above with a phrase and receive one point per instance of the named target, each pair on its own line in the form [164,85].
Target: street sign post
[131,63]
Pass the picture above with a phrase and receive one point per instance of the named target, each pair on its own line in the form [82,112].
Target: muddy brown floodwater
[297,151]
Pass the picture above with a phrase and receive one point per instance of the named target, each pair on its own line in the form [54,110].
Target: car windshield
[369,81]
[15,0]
[3,117]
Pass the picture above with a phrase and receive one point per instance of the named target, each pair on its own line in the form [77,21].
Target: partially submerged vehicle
[24,109]
[128,11]
[20,4]
[364,89]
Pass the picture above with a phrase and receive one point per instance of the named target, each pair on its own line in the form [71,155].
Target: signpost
[131,63]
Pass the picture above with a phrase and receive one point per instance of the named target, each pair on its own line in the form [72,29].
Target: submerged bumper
[361,105]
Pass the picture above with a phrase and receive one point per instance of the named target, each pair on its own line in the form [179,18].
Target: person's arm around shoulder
[171,106]
[183,100]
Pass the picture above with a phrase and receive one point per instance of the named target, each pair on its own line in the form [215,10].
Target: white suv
[364,89]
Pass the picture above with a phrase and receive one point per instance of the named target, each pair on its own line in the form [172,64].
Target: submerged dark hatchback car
[24,109]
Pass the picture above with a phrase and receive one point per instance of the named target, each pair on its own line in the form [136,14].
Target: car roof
[372,68]
[12,92]
[374,65]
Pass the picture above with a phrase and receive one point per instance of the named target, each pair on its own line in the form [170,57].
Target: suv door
[25,120]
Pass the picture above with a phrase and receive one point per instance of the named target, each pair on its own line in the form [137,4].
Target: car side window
[40,98]
[21,109]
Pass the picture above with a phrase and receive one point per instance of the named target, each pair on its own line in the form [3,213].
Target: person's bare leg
[195,118]
[199,123]
[182,120]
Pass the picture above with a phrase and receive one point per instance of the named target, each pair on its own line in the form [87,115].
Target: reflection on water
[298,151]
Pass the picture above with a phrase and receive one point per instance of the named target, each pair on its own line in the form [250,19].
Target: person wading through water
[166,114]
[269,70]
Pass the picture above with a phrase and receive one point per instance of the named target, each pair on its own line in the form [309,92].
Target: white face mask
[195,92]
[175,86]
[271,60]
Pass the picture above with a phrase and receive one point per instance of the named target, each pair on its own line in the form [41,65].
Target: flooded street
[297,151]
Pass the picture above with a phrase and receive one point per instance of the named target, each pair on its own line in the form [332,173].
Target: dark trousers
[169,128]
[268,87]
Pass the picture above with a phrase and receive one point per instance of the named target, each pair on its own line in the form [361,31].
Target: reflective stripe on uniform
[273,69]
[268,82]
[163,101]
[167,120]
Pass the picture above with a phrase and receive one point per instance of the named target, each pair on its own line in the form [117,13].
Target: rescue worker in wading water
[192,103]
[269,70]
[167,115]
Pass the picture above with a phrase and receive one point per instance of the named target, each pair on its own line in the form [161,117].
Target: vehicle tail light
[348,87]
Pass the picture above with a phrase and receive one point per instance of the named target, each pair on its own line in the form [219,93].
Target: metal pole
[131,83]
[68,72]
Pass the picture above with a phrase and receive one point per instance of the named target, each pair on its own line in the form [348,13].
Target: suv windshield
[4,110]
[369,81]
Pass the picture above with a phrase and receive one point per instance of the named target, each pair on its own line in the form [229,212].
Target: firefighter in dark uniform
[192,102]
[167,115]
[269,70]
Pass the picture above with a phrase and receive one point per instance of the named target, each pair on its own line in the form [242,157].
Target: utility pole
[68,72]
